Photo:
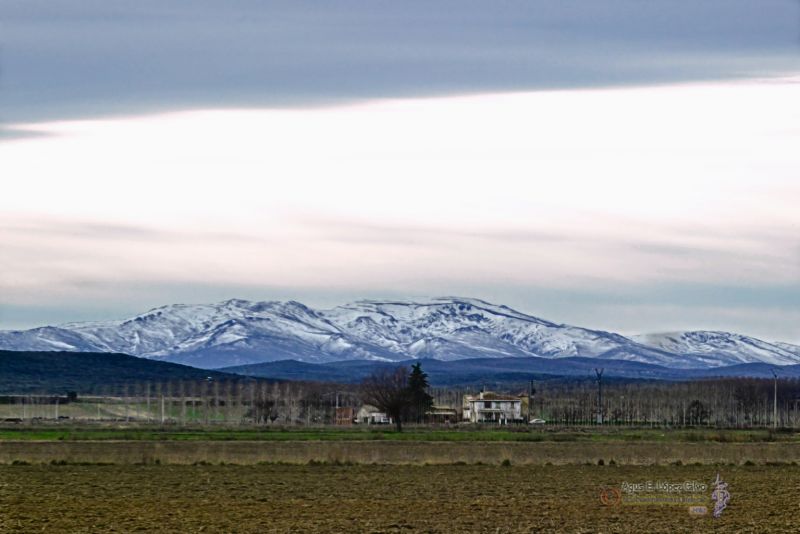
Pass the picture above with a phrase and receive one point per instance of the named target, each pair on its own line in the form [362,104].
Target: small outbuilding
[345,416]
[441,415]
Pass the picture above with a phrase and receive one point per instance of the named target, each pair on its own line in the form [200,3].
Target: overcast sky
[625,165]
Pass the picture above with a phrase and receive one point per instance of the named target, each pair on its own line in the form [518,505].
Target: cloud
[97,58]
[692,185]
[10,133]
[39,227]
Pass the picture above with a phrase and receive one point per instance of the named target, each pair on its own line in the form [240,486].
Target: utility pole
[775,401]
[599,373]
[531,391]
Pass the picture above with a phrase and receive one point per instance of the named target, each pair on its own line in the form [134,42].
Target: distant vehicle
[537,422]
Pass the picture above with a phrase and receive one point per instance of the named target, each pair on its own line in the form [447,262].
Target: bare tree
[387,390]
[182,386]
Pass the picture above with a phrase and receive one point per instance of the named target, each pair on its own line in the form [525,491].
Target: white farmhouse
[488,407]
[370,415]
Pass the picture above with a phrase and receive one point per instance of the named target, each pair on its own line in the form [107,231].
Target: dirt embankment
[395,453]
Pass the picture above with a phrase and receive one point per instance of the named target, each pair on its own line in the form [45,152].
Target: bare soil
[381,498]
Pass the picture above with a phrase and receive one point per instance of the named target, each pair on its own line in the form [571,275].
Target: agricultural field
[477,433]
[382,498]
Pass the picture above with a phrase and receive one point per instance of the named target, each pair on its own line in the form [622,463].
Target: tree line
[405,395]
[724,402]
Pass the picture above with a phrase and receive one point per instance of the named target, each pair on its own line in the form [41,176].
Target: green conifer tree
[419,399]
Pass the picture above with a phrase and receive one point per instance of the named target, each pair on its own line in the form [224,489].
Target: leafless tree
[387,391]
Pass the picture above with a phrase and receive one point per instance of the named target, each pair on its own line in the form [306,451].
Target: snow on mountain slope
[455,328]
[788,347]
[46,338]
[237,332]
[182,328]
[210,336]
[722,348]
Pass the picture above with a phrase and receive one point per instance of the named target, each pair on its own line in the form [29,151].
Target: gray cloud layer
[76,58]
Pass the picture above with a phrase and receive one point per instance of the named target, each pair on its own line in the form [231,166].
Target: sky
[624,165]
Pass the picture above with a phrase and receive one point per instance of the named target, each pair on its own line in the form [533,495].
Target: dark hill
[475,371]
[87,372]
[493,372]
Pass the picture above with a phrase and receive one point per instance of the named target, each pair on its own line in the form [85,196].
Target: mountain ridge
[240,332]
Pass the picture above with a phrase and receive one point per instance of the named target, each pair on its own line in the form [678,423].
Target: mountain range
[240,332]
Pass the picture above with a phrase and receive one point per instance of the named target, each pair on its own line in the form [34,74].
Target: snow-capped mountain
[458,328]
[237,332]
[214,335]
[722,348]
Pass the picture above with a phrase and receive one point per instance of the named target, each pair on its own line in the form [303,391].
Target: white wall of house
[488,407]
